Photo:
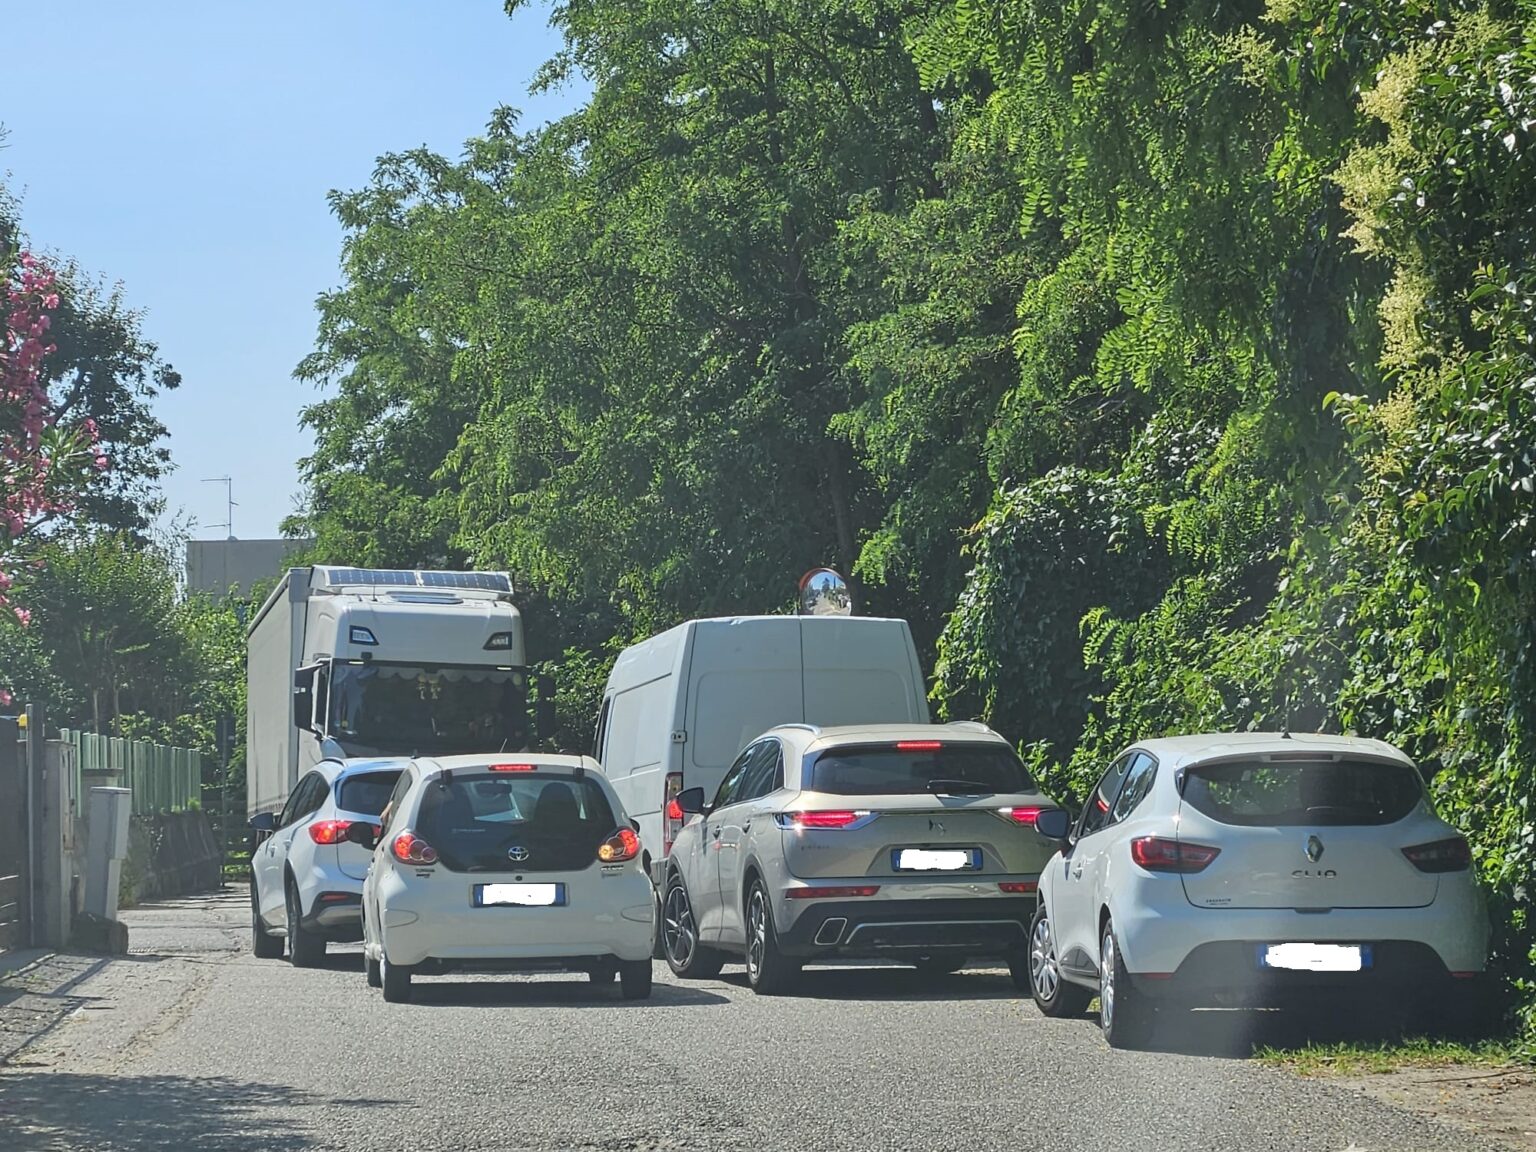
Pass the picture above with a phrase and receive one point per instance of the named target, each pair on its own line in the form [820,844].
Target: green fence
[162,778]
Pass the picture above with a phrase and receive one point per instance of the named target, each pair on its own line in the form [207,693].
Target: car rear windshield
[367,792]
[960,769]
[551,823]
[1304,792]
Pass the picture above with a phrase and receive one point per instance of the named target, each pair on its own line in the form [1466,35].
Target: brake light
[835,818]
[673,823]
[918,745]
[829,893]
[514,767]
[622,845]
[1026,815]
[1019,886]
[1160,854]
[1451,855]
[412,849]
[329,831]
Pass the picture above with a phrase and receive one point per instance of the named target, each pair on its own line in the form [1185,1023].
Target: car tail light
[835,818]
[1023,815]
[622,845]
[412,849]
[1451,855]
[672,824]
[514,767]
[829,893]
[918,745]
[1021,887]
[329,831]
[1160,854]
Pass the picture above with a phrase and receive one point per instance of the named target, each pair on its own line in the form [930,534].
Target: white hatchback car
[487,864]
[1254,868]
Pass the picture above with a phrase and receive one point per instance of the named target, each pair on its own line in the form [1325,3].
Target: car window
[1138,782]
[1097,813]
[764,771]
[296,808]
[731,785]
[1316,792]
[393,809]
[534,821]
[913,768]
[367,792]
[314,799]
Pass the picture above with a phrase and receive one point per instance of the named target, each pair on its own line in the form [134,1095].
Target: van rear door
[860,670]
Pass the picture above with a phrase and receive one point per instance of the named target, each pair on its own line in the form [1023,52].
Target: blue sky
[186,149]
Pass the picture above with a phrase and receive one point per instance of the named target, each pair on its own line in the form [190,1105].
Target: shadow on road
[44,1111]
[892,984]
[574,993]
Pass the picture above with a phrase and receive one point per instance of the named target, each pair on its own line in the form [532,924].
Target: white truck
[349,662]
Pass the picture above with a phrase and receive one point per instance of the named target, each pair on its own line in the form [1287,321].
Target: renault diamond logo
[1314,849]
[518,852]
[935,826]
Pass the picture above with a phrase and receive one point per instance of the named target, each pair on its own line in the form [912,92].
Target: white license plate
[1313,957]
[933,860]
[526,895]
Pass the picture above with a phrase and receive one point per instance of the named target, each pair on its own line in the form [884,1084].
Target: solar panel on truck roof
[394,578]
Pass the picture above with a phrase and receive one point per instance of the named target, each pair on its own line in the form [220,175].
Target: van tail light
[1023,815]
[835,818]
[410,848]
[672,814]
[622,845]
[1451,855]
[1160,854]
[830,893]
[329,831]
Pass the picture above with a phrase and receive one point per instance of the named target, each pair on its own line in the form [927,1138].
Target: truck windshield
[408,709]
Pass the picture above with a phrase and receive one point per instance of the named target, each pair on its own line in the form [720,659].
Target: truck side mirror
[304,699]
[545,719]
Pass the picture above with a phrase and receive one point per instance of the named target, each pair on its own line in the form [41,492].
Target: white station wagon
[1255,868]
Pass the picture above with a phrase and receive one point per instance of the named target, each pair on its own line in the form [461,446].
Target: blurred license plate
[1315,957]
[519,895]
[936,860]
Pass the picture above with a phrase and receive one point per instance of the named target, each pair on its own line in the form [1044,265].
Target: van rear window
[367,792]
[1321,792]
[958,769]
[476,821]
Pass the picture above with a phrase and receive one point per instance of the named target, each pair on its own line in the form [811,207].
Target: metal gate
[15,885]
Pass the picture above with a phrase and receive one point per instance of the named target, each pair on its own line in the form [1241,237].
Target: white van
[681,705]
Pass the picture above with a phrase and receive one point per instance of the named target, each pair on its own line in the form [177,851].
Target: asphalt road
[191,1043]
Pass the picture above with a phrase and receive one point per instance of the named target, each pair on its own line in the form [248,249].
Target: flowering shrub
[42,463]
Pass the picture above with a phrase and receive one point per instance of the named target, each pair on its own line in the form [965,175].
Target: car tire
[681,949]
[305,949]
[1466,1009]
[395,980]
[769,971]
[603,973]
[635,979]
[1125,1017]
[264,945]
[1038,971]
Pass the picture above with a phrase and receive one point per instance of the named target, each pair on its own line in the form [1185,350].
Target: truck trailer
[357,662]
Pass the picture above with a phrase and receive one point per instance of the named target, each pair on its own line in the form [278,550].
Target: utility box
[108,846]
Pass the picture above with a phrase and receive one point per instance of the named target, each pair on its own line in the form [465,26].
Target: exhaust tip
[831,930]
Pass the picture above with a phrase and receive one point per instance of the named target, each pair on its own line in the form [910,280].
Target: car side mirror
[635,824]
[691,801]
[1054,824]
[264,823]
[364,834]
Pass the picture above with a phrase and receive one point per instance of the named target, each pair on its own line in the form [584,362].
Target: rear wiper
[959,787]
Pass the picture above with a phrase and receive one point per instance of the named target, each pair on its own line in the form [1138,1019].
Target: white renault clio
[495,865]
[1255,868]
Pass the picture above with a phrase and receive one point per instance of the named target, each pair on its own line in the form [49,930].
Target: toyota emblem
[517,853]
[1314,849]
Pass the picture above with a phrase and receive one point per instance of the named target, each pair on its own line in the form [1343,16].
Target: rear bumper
[336,916]
[896,929]
[1229,970]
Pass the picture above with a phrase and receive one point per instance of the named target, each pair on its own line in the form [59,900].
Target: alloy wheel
[1107,981]
[1043,970]
[757,933]
[679,934]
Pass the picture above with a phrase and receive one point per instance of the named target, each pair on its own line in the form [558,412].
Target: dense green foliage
[1170,366]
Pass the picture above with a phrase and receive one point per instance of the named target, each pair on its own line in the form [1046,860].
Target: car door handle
[717,833]
[1077,871]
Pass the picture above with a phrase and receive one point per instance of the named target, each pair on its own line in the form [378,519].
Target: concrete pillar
[104,853]
[56,834]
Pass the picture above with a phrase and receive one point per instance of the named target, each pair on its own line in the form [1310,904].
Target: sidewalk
[36,988]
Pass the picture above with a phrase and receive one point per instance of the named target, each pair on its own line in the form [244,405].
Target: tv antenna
[229,503]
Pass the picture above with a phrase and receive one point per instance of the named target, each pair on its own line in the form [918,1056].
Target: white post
[110,808]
